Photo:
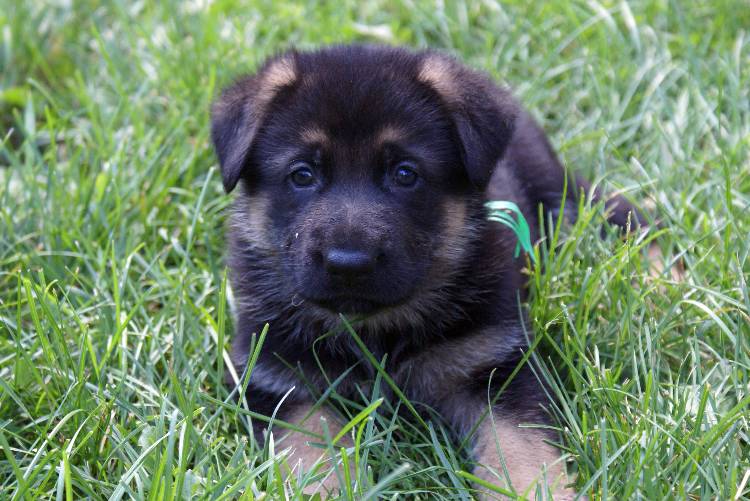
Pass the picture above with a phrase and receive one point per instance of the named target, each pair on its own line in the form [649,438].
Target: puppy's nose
[349,262]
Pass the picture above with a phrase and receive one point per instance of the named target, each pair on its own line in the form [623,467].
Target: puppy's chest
[415,378]
[422,373]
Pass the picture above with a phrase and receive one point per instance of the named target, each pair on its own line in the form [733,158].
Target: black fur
[435,285]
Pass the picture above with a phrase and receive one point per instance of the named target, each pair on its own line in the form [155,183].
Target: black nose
[349,263]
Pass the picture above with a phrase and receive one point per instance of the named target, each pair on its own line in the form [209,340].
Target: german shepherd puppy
[362,175]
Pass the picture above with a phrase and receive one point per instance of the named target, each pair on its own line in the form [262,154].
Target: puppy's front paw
[303,456]
[327,482]
[515,459]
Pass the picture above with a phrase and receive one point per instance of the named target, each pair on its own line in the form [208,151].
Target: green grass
[115,320]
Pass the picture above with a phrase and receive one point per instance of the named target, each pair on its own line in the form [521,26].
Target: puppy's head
[361,168]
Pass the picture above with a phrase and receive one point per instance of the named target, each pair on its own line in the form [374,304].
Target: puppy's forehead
[355,103]
[347,97]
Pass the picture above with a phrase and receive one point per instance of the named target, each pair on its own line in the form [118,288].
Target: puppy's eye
[405,175]
[302,176]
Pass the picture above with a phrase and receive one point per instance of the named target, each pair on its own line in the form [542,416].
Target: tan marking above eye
[314,135]
[390,134]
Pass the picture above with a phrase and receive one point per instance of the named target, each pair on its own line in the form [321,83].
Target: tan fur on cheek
[249,219]
[524,454]
[455,233]
[303,456]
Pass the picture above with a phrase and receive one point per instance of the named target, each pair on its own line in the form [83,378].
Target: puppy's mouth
[349,303]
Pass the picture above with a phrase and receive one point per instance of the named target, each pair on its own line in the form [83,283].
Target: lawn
[115,317]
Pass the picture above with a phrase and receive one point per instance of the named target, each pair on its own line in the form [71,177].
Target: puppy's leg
[514,458]
[303,455]
[458,377]
[517,459]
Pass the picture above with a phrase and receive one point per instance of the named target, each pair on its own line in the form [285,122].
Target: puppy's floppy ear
[483,113]
[236,116]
